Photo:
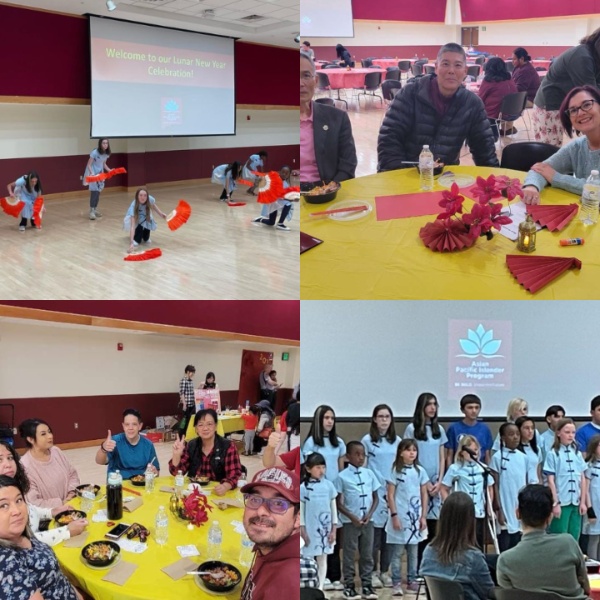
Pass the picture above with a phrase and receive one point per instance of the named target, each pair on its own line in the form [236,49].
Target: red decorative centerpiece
[196,508]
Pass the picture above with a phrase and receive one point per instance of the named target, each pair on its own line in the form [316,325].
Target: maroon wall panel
[392,10]
[269,318]
[510,10]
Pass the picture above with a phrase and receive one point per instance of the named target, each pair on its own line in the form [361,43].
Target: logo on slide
[480,343]
[171,112]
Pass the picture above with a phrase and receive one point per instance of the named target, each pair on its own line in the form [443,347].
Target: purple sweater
[527,80]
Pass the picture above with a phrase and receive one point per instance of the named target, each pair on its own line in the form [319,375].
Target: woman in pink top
[496,84]
[53,480]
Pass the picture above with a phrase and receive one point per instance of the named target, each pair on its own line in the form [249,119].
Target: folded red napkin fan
[554,217]
[534,272]
[446,236]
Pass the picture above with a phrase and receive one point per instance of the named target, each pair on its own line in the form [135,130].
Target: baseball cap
[283,481]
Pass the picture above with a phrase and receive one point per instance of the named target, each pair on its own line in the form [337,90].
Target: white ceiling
[278,27]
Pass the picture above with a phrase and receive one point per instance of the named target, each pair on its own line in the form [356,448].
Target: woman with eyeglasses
[579,113]
[208,455]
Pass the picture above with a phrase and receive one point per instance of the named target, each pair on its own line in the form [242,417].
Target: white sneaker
[148,241]
[134,244]
[21,228]
[386,580]
[97,212]
[327,586]
[92,214]
[375,581]
[338,585]
[397,590]
[282,227]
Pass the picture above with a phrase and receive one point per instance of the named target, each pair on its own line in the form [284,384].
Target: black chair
[327,101]
[480,60]
[474,71]
[330,66]
[511,109]
[429,69]
[417,69]
[541,69]
[521,156]
[372,84]
[404,66]
[443,589]
[392,73]
[366,62]
[311,594]
[505,594]
[389,88]
[324,85]
[509,66]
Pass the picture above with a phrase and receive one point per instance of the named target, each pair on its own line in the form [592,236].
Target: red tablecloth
[541,63]
[390,62]
[344,79]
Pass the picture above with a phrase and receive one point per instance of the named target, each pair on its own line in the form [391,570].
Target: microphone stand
[486,473]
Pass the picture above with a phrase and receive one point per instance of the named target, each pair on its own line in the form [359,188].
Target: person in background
[27,189]
[293,422]
[250,419]
[592,489]
[436,110]
[569,168]
[453,554]
[589,430]
[187,398]
[306,49]
[517,407]
[269,211]
[209,382]
[288,460]
[273,385]
[95,166]
[575,67]
[255,162]
[139,220]
[227,176]
[327,151]
[495,85]
[524,75]
[344,57]
[129,452]
[53,479]
[553,415]
[266,417]
[530,445]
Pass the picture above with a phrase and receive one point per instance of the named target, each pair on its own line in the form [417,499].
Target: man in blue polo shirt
[585,433]
[129,452]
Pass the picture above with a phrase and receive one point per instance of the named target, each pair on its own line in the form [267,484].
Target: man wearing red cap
[272,522]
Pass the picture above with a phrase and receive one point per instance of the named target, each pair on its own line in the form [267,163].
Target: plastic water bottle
[247,405]
[426,168]
[162,526]
[179,481]
[215,537]
[87,499]
[149,476]
[590,199]
[246,553]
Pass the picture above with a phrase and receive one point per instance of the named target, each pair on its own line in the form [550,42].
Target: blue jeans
[411,561]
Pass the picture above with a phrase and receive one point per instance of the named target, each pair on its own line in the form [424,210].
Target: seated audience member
[543,562]
[453,553]
[580,112]
[52,478]
[28,568]
[306,49]
[288,460]
[524,75]
[436,110]
[344,56]
[327,151]
[129,452]
[495,85]
[208,455]
[10,466]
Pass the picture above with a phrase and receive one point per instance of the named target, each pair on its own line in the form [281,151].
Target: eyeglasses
[306,76]
[277,506]
[205,425]
[585,107]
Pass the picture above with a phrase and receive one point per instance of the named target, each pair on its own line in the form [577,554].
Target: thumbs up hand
[109,444]
[274,439]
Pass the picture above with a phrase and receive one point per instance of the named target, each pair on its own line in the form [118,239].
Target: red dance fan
[554,218]
[236,204]
[105,176]
[12,206]
[534,272]
[269,187]
[446,236]
[179,216]
[145,255]
[38,209]
[292,194]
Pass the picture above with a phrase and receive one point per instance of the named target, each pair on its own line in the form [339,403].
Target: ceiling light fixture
[110,5]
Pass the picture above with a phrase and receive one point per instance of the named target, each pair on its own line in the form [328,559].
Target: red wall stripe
[392,10]
[511,10]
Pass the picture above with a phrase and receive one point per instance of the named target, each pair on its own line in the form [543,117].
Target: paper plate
[350,216]
[446,180]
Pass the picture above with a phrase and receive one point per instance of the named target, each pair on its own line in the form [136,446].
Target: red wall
[65,72]
[392,10]
[269,318]
[510,10]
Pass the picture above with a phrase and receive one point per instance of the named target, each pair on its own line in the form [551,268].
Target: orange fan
[554,218]
[446,236]
[269,187]
[12,206]
[179,216]
[38,209]
[292,194]
[145,255]
[534,272]
[236,204]
[105,176]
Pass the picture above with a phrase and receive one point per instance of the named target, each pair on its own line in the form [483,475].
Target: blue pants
[411,562]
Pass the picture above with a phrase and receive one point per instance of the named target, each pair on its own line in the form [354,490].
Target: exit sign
[285,356]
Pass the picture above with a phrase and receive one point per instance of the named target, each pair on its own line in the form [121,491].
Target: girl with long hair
[592,488]
[139,220]
[529,445]
[27,189]
[516,408]
[227,176]
[96,164]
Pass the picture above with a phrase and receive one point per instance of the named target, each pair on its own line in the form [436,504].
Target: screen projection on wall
[326,19]
[358,354]
[150,81]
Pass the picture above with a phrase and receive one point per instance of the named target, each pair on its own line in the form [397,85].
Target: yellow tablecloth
[148,582]
[370,259]
[225,424]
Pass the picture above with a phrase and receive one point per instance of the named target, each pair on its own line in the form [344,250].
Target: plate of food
[101,554]
[65,517]
[138,480]
[322,193]
[227,577]
[201,480]
[80,488]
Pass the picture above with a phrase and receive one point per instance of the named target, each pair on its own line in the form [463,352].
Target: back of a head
[593,42]
[495,70]
[522,53]
[456,528]
[535,505]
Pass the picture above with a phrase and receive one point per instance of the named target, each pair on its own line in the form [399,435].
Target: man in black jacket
[327,151]
[436,110]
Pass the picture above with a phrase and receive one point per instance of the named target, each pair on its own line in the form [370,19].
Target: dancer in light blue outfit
[269,211]
[95,166]
[252,164]
[226,175]
[139,220]
[592,476]
[27,189]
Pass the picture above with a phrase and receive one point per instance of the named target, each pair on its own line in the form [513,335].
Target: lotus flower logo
[480,343]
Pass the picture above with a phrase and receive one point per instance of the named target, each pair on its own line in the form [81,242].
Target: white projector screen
[332,18]
[358,354]
[150,81]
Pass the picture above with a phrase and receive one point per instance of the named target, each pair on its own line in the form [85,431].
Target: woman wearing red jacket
[496,84]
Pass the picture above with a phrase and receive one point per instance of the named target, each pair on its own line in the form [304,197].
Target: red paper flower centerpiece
[196,508]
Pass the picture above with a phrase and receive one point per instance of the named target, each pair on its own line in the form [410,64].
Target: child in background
[139,220]
[250,422]
[511,472]
[554,414]
[565,468]
[27,189]
[529,445]
[256,162]
[269,211]
[470,406]
[469,477]
[226,175]
[95,166]
[318,513]
[585,433]
[592,484]
[357,500]
[407,499]
[516,409]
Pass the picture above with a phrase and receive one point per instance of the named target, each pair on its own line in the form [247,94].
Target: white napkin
[189,550]
[100,516]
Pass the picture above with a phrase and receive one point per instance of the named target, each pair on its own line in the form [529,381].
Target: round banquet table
[370,259]
[595,585]
[541,63]
[344,79]
[384,63]
[148,582]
